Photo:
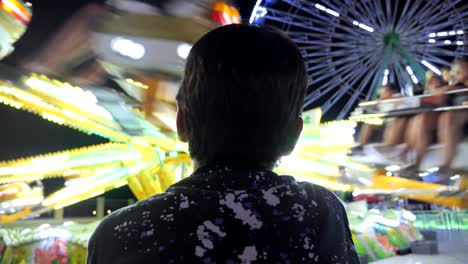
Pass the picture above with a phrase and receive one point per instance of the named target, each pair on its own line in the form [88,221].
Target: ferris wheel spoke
[306,7]
[357,16]
[383,20]
[337,77]
[353,100]
[341,92]
[403,15]
[310,23]
[373,15]
[328,86]
[326,73]
[420,17]
[364,15]
[431,25]
[313,11]
[332,66]
[400,66]
[411,14]
[390,18]
[439,51]
[434,60]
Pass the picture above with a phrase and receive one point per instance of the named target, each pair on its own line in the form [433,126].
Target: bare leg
[365,134]
[450,126]
[423,126]
[395,132]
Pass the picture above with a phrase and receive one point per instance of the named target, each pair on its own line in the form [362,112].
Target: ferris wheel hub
[391,37]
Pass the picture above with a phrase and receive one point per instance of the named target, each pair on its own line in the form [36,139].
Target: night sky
[24,134]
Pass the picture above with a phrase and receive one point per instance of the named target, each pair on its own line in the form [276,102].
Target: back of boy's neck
[233,165]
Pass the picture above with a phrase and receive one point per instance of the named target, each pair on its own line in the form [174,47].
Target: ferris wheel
[351,48]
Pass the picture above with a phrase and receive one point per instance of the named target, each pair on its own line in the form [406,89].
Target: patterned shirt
[228,215]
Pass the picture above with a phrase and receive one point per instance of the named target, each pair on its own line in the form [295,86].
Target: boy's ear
[181,128]
[299,127]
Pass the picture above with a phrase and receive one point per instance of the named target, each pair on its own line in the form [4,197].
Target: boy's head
[460,70]
[242,96]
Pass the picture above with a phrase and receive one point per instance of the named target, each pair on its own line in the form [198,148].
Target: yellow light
[73,115]
[94,212]
[137,83]
[120,184]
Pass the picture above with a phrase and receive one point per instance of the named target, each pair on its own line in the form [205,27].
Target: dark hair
[462,59]
[242,95]
[393,87]
[435,78]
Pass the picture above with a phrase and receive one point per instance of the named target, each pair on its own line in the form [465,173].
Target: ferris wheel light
[385,80]
[386,72]
[431,67]
[459,43]
[448,42]
[328,10]
[432,41]
[442,34]
[320,7]
[409,70]
[432,35]
[355,23]
[460,32]
[332,12]
[415,80]
[452,33]
[366,27]
[253,16]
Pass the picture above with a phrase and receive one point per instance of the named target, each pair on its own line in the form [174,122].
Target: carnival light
[253,16]
[327,10]
[128,48]
[392,168]
[431,67]
[183,50]
[363,26]
[385,78]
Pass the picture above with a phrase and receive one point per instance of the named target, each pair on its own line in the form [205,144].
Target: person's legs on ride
[447,136]
[365,134]
[424,125]
[394,133]
[450,126]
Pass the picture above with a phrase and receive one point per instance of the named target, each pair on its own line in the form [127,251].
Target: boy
[239,110]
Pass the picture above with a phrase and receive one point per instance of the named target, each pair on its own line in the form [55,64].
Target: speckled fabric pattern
[228,215]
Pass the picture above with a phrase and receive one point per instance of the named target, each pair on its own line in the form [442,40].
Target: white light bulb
[128,48]
[183,50]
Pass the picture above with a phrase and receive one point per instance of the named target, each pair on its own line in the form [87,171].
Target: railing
[441,220]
